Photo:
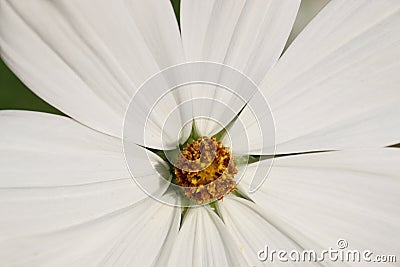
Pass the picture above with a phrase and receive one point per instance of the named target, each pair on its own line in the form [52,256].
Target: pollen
[205,169]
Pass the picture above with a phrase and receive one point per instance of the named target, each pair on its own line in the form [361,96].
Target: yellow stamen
[205,169]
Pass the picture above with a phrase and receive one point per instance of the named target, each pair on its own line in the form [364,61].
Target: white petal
[149,171]
[252,231]
[246,35]
[307,11]
[328,196]
[89,61]
[336,87]
[203,241]
[56,173]
[256,126]
[133,236]
[146,241]
[54,151]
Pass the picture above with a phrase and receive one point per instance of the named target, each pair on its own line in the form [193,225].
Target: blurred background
[14,94]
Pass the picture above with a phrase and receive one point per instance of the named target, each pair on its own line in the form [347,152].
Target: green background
[15,95]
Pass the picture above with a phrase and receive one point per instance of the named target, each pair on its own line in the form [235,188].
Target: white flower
[66,197]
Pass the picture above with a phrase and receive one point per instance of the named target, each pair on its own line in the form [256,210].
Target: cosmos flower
[66,194]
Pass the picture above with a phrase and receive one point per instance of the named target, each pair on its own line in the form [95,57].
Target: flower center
[205,169]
